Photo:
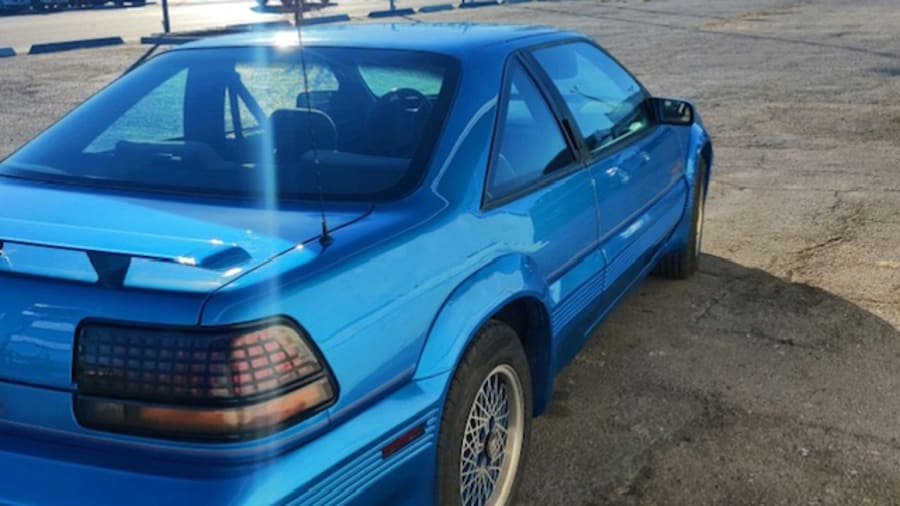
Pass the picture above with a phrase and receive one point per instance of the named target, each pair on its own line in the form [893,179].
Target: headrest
[319,99]
[296,131]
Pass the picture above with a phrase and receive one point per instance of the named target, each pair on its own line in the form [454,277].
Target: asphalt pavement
[20,31]
[772,376]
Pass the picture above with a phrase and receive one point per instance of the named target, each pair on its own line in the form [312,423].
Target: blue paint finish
[589,280]
[629,184]
[505,279]
[6,52]
[341,465]
[694,139]
[391,303]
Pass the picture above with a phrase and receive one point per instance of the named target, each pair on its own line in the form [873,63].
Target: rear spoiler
[111,265]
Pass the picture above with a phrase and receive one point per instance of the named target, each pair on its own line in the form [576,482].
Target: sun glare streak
[186,260]
[268,227]
[285,40]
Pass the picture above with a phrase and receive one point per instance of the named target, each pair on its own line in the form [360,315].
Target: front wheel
[486,422]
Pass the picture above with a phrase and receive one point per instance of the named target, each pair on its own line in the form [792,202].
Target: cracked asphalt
[772,376]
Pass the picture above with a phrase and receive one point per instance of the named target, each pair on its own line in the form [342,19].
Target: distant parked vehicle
[40,5]
[97,3]
[14,5]
[288,3]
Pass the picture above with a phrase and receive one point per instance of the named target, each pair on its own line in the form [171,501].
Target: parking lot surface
[771,377]
[21,30]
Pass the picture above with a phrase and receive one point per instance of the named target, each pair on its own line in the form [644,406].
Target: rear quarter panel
[370,298]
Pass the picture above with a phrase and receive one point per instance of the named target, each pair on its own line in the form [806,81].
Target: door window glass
[530,143]
[607,103]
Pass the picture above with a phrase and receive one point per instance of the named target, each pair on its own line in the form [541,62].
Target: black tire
[496,346]
[681,264]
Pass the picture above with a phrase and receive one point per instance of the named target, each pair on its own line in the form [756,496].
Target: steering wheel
[404,100]
[396,122]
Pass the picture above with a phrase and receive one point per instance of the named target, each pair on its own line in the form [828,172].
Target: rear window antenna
[299,7]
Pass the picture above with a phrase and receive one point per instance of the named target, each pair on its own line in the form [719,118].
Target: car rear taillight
[203,383]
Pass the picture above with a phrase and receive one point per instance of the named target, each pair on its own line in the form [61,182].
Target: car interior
[359,136]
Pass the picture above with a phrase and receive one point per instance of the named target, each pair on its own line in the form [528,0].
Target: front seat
[297,131]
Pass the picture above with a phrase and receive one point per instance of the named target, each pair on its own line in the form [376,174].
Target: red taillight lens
[214,383]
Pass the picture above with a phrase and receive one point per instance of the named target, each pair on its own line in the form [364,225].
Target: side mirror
[670,111]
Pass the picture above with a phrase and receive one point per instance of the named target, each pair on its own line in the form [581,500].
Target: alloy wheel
[492,442]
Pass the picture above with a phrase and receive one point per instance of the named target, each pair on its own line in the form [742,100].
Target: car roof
[447,38]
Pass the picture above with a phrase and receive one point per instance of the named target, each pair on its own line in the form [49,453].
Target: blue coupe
[337,267]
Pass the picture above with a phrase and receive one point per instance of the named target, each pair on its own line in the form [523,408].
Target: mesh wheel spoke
[492,440]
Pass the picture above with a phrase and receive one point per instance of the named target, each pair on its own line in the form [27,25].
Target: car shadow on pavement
[735,387]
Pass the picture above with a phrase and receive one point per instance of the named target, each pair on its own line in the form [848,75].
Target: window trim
[590,157]
[492,202]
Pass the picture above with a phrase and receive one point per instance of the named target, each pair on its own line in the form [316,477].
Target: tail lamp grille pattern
[172,367]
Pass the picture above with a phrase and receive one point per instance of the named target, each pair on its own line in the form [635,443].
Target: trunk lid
[68,256]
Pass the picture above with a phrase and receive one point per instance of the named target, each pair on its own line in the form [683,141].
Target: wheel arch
[508,290]
[698,146]
[530,319]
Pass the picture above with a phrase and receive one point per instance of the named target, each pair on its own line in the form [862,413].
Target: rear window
[244,122]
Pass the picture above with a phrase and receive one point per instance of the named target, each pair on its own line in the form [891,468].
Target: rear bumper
[343,466]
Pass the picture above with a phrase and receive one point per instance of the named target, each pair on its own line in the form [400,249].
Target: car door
[537,184]
[636,163]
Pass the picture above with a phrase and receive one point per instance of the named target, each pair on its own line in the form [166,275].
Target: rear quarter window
[382,80]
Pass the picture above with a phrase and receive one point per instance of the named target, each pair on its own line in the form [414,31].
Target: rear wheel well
[528,317]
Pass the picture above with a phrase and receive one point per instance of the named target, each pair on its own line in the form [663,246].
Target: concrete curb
[337,18]
[390,13]
[166,40]
[262,25]
[75,44]
[478,3]
[6,52]
[436,8]
[175,38]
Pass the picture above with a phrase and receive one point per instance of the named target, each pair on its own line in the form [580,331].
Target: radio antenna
[299,7]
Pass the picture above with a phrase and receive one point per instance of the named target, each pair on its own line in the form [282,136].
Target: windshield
[242,121]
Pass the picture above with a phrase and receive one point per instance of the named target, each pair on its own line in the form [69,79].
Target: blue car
[342,267]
